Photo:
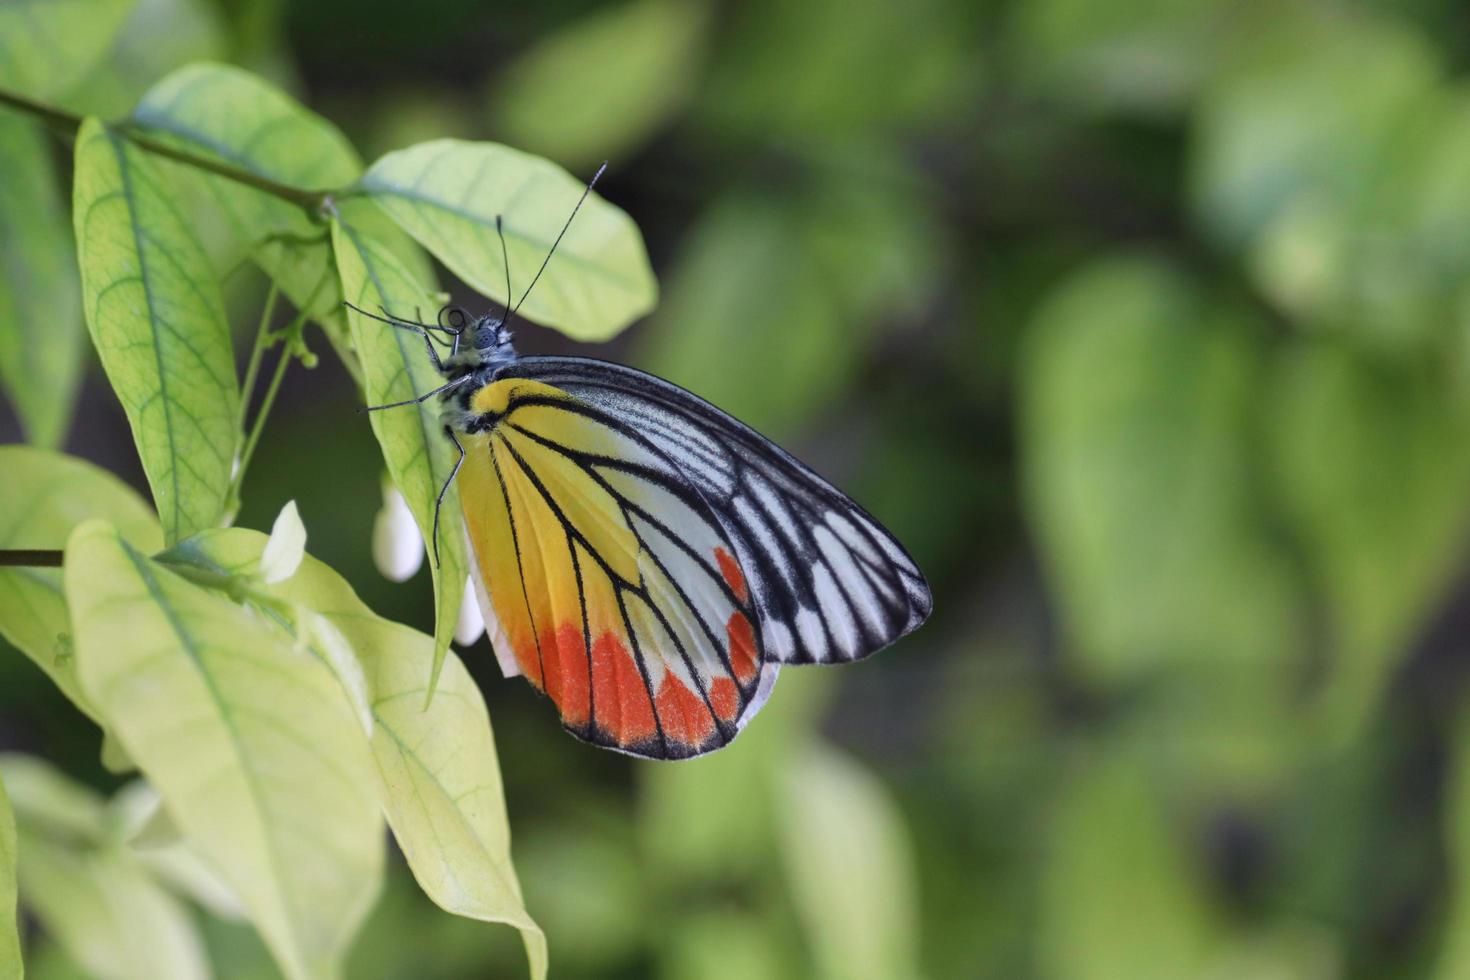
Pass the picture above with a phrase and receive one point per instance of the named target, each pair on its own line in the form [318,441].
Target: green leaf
[43,496]
[10,965]
[859,914]
[396,367]
[1145,56]
[1454,954]
[42,796]
[1140,464]
[437,767]
[837,262]
[600,87]
[137,818]
[1311,111]
[47,45]
[1372,462]
[812,71]
[40,316]
[196,685]
[158,321]
[87,890]
[157,37]
[1137,446]
[447,194]
[227,114]
[1114,860]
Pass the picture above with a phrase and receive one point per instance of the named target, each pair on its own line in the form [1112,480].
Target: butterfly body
[647,561]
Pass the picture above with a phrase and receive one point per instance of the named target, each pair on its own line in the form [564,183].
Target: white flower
[398,548]
[471,624]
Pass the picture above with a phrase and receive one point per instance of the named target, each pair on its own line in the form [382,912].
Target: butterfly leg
[439,501]
[412,327]
[421,398]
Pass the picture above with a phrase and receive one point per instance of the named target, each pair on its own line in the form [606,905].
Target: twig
[311,201]
[29,557]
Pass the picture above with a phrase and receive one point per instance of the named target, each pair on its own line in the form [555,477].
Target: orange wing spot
[567,683]
[620,699]
[725,697]
[530,663]
[742,647]
[734,578]
[682,713]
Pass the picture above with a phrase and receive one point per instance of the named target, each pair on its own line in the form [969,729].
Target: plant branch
[29,557]
[311,201]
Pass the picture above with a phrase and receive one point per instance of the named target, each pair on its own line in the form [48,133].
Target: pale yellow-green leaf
[86,889]
[47,45]
[849,862]
[437,767]
[447,194]
[157,318]
[328,640]
[252,744]
[10,965]
[43,496]
[41,335]
[137,818]
[396,367]
[105,910]
[600,87]
[42,796]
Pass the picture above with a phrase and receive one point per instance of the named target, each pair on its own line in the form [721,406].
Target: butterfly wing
[828,582]
[611,583]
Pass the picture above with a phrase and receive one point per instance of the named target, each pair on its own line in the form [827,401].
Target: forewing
[607,579]
[829,583]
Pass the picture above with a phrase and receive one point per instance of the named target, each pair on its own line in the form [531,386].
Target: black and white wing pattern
[829,583]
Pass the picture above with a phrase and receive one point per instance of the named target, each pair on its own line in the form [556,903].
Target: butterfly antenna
[585,191]
[505,255]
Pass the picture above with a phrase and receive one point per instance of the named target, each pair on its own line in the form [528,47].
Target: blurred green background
[1146,326]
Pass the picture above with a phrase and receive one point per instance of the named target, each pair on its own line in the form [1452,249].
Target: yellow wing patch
[611,581]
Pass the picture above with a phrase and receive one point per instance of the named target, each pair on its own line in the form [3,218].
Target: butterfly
[645,560]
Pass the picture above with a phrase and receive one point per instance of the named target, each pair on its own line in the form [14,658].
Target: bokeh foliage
[1144,324]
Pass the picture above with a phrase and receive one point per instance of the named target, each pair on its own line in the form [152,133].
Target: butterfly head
[490,336]
[482,341]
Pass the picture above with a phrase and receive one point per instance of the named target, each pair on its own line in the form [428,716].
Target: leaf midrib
[130,202]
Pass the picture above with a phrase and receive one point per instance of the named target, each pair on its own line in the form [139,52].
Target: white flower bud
[471,624]
[398,548]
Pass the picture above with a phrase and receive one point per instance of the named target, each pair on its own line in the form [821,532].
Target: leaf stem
[292,338]
[252,370]
[29,557]
[311,201]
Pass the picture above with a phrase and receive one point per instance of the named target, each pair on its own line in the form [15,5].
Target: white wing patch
[829,584]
